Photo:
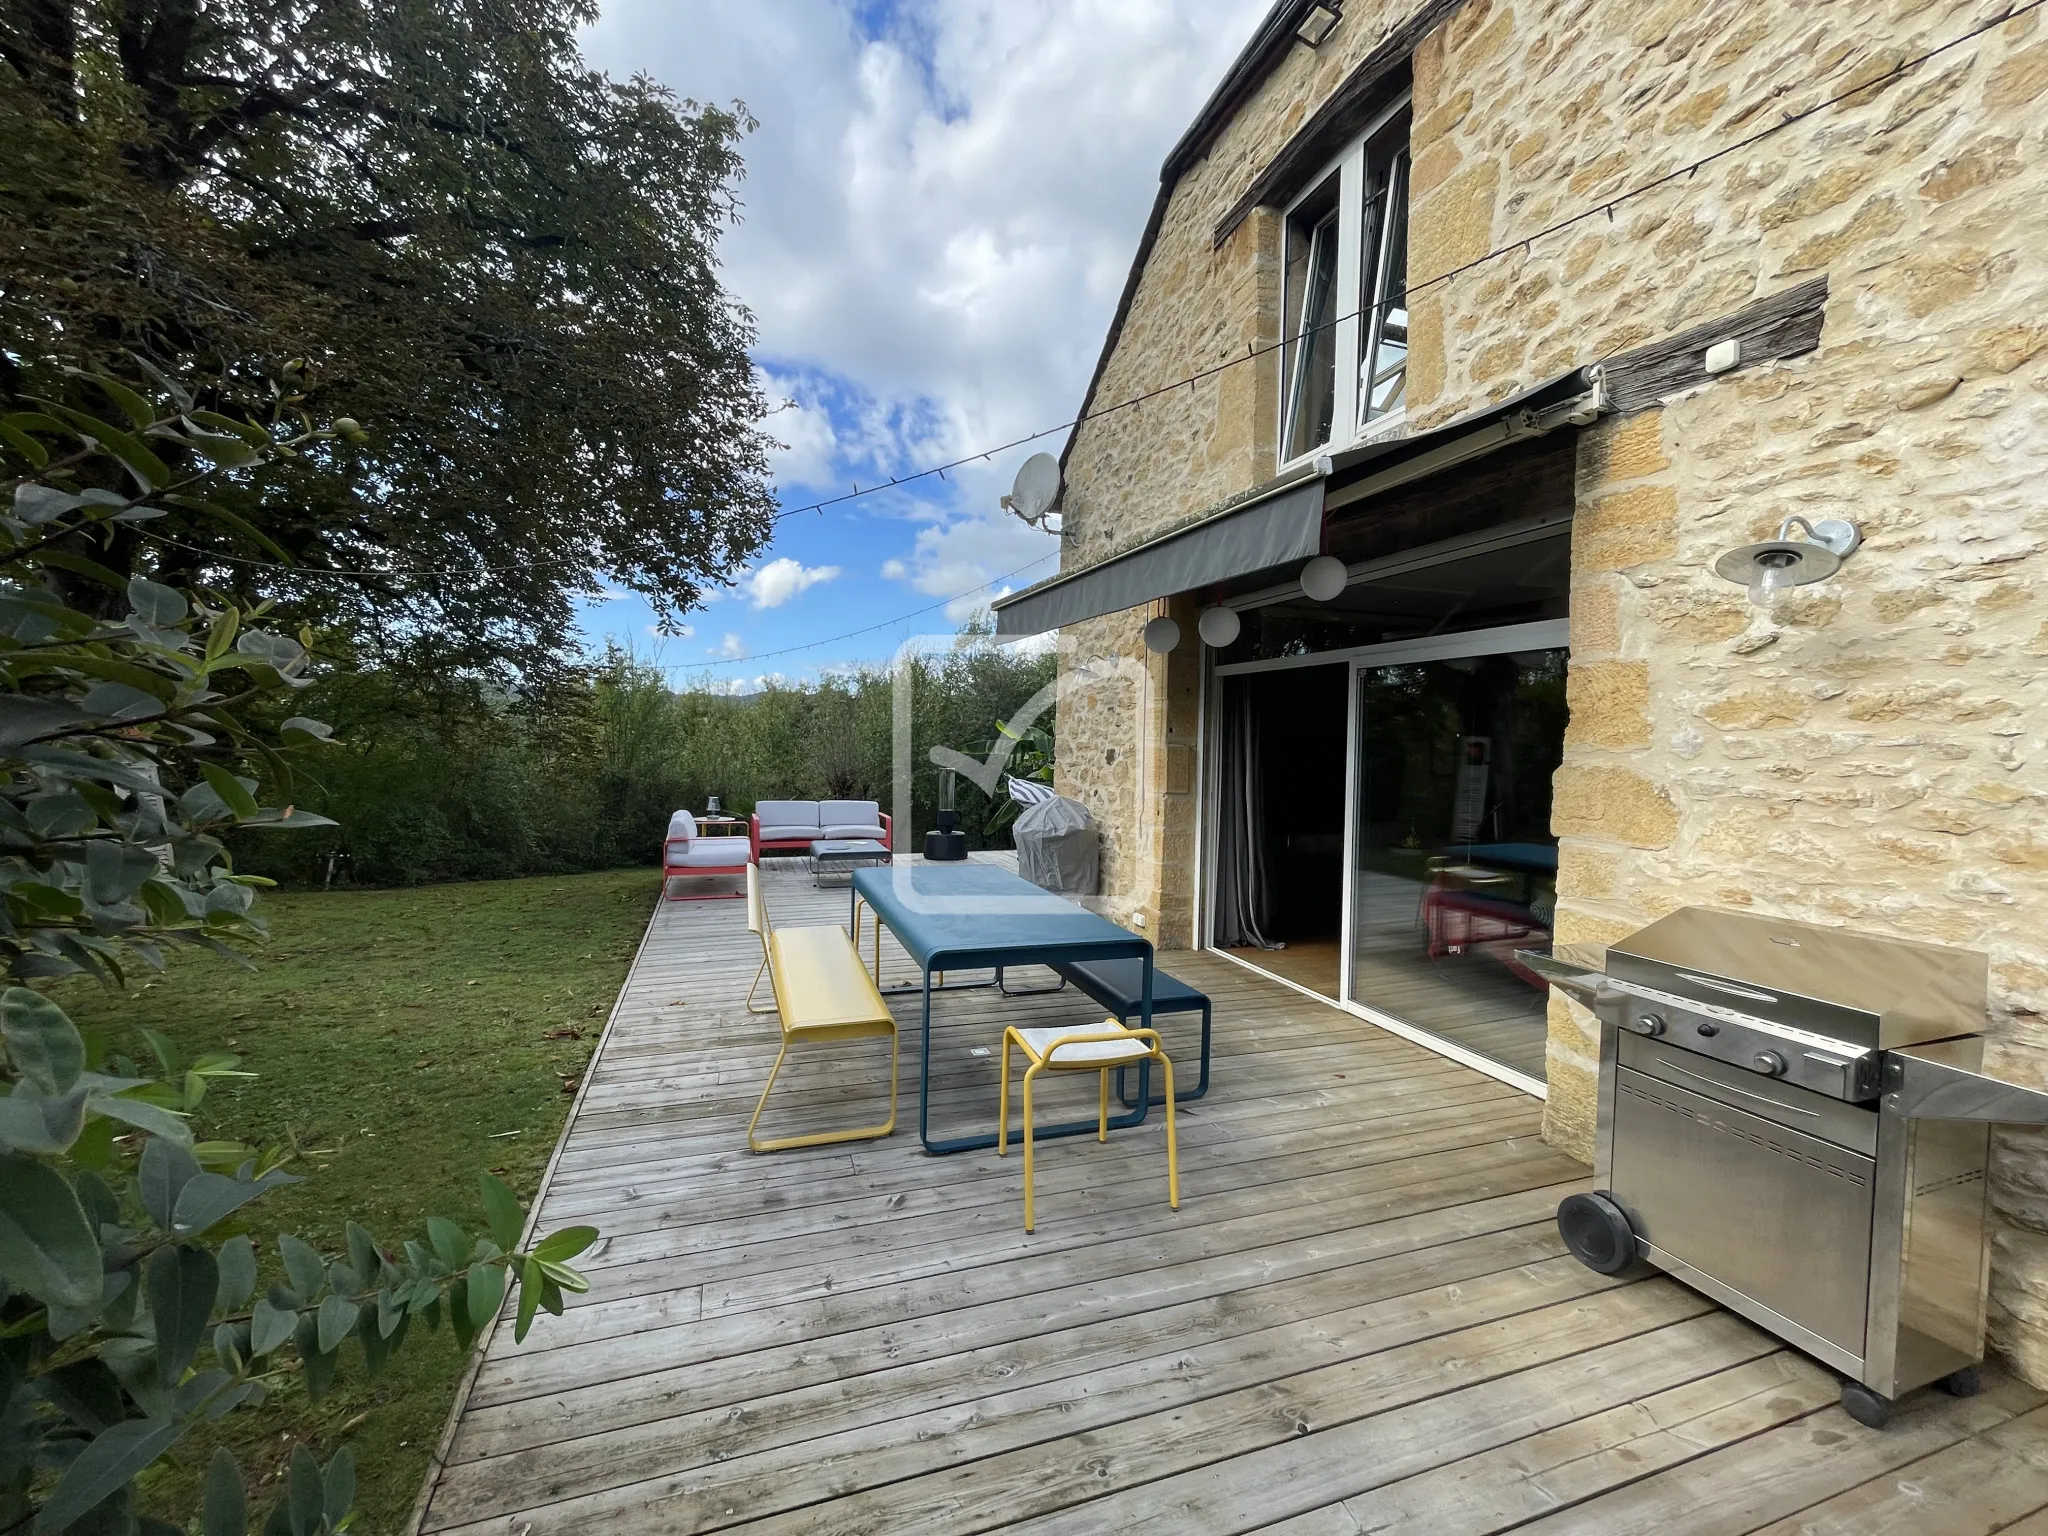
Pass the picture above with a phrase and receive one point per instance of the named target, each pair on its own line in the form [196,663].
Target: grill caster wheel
[1963,1383]
[1870,1409]
[1598,1234]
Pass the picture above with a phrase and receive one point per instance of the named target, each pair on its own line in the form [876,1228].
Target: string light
[811,645]
[1522,243]
[1252,353]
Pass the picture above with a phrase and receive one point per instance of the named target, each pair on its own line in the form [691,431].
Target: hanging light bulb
[1162,635]
[1324,578]
[1218,627]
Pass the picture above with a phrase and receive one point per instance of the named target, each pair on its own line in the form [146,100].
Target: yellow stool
[1100,1048]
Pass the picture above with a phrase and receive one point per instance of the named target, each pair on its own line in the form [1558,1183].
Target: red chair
[686,856]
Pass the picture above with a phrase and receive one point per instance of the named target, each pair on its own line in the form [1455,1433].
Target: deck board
[1361,1319]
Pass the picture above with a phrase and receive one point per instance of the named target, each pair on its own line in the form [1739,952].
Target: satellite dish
[1037,487]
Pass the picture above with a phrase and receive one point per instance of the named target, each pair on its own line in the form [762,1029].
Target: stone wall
[1875,751]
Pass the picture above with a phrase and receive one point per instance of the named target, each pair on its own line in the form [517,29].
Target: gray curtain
[1244,905]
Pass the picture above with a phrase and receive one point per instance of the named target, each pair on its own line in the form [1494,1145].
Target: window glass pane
[1386,367]
[1311,298]
[1456,865]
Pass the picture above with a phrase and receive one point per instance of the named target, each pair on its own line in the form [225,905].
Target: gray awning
[1281,525]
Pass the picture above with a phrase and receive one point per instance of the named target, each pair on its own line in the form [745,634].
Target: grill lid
[1869,991]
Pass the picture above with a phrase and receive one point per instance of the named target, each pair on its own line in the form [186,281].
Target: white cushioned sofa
[791,826]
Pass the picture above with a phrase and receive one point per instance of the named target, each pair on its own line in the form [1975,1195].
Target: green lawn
[404,1042]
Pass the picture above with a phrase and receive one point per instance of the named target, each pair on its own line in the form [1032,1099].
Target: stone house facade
[1588,179]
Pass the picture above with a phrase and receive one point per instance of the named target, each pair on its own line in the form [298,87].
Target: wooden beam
[1784,324]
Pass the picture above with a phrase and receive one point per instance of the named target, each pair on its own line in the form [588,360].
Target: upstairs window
[1311,351]
[1383,279]
[1344,297]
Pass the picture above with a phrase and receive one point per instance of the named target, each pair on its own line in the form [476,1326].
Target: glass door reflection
[1454,863]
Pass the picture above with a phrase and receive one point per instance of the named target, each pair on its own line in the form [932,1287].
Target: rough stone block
[1587,872]
[1439,121]
[2019,79]
[1625,528]
[1611,804]
[1595,619]
[1571,1062]
[1433,166]
[1759,709]
[1627,448]
[1983,164]
[1453,224]
[1577,924]
[1609,704]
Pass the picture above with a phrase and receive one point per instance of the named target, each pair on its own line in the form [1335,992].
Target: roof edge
[1257,60]
[1247,72]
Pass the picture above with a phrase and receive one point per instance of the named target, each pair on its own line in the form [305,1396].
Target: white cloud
[731,648]
[938,220]
[972,559]
[802,424]
[780,580]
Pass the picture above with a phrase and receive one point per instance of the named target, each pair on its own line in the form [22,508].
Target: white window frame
[1346,429]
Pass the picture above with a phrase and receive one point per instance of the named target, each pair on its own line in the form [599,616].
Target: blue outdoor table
[961,917]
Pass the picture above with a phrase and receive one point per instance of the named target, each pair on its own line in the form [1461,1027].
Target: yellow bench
[822,992]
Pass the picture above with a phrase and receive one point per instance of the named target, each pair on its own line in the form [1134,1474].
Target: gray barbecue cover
[1059,847]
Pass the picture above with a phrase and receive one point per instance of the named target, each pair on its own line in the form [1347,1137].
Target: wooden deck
[1361,1318]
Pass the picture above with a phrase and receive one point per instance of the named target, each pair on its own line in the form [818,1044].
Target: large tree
[503,262]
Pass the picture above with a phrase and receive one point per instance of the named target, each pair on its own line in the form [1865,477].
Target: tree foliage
[465,782]
[131,1306]
[504,262]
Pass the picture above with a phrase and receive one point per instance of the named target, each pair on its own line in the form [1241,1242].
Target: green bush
[453,781]
[132,1309]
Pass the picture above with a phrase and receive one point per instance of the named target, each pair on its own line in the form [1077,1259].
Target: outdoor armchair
[686,856]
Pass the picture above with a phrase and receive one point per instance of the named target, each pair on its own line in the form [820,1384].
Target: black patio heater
[946,843]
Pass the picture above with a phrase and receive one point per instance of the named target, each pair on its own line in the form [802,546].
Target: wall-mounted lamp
[1218,627]
[1324,578]
[1318,24]
[1162,635]
[1771,567]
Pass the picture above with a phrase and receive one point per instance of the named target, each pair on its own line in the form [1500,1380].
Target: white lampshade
[1218,627]
[1162,635]
[1324,577]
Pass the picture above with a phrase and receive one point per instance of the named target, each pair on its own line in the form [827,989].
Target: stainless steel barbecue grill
[1795,1121]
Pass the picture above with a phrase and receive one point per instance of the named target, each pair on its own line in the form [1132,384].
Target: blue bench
[1118,985]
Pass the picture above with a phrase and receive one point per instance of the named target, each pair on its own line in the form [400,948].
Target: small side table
[847,853]
[722,826]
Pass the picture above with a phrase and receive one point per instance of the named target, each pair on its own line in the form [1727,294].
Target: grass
[404,1041]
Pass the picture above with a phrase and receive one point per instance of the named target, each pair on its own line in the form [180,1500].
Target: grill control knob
[1650,1024]
[1770,1063]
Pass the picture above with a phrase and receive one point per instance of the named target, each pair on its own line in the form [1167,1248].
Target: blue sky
[942,200]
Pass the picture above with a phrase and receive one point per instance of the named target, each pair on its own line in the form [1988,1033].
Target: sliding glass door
[1452,865]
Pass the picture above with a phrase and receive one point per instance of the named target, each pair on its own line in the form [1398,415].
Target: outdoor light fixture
[945,843]
[1320,21]
[1162,635]
[1324,578]
[1218,627]
[1771,567]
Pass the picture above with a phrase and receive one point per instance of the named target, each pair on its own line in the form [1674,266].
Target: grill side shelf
[1946,1081]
